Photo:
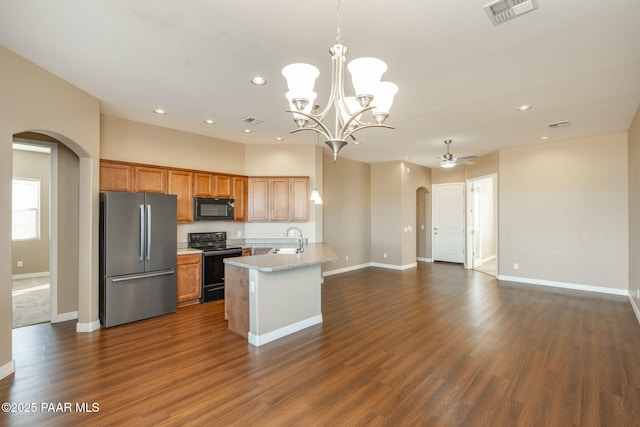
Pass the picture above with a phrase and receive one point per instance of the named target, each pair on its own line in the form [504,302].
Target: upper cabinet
[204,184]
[257,199]
[278,199]
[116,176]
[240,194]
[150,179]
[224,186]
[212,185]
[180,184]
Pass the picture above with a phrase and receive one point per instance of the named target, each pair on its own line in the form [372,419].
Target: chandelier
[371,94]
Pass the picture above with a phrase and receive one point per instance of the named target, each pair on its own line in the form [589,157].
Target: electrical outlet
[20,264]
[239,233]
[515,266]
[638,293]
[384,255]
[346,258]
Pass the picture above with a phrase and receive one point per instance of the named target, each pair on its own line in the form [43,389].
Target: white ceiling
[460,76]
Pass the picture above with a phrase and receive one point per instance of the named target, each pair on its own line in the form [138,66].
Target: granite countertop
[188,251]
[314,253]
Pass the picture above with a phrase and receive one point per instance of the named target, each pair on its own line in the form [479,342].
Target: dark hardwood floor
[432,346]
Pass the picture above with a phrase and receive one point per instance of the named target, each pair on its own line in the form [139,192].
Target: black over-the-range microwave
[213,209]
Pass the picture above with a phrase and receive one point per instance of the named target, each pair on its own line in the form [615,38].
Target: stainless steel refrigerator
[138,242]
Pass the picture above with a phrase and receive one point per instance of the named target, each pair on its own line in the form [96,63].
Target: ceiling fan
[448,161]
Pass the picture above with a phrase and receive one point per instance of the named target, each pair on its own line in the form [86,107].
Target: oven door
[213,273]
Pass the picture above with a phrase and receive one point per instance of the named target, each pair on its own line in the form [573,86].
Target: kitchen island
[276,294]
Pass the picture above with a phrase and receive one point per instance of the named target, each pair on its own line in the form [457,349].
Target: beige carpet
[31,301]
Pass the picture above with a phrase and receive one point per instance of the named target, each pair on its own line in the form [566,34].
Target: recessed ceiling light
[258,81]
[210,122]
[407,158]
[544,138]
[356,142]
[524,108]
[279,138]
[160,111]
[247,130]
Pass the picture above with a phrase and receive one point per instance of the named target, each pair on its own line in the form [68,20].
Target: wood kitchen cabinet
[115,176]
[299,201]
[224,186]
[240,195]
[181,184]
[189,279]
[204,184]
[150,179]
[278,199]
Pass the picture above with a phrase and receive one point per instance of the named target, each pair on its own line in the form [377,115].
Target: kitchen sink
[286,251]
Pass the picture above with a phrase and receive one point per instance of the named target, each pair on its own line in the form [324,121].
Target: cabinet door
[151,180]
[240,194]
[116,176]
[223,185]
[258,199]
[299,200]
[180,184]
[189,277]
[204,184]
[279,199]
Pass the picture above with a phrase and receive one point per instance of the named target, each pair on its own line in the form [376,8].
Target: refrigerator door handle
[148,232]
[143,276]
[141,253]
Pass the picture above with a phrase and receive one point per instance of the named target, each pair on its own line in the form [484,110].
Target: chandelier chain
[338,18]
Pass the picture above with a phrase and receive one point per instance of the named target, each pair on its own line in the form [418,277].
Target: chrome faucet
[290,229]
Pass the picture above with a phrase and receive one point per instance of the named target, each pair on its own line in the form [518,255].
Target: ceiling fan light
[300,78]
[447,164]
[366,73]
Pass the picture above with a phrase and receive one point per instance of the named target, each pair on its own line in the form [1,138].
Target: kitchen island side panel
[282,298]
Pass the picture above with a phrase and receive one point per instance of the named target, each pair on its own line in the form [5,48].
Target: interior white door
[448,222]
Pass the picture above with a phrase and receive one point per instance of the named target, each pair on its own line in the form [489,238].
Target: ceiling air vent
[558,124]
[252,121]
[503,10]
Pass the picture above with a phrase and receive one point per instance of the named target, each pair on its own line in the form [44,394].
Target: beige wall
[634,210]
[347,211]
[130,141]
[413,177]
[563,212]
[386,213]
[68,220]
[36,100]
[34,254]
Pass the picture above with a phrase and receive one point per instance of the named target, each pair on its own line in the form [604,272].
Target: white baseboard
[395,267]
[564,285]
[259,340]
[635,307]
[30,275]
[424,259]
[346,269]
[7,369]
[88,327]
[491,258]
[63,317]
[372,264]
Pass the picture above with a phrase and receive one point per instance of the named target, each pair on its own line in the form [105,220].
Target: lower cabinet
[189,279]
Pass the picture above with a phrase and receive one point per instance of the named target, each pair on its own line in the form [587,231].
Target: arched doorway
[61,228]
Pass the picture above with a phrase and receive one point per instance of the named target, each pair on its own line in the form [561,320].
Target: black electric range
[214,251]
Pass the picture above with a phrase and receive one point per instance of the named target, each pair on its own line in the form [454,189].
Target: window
[26,209]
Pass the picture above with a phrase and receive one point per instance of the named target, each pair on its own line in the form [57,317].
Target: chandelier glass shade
[371,94]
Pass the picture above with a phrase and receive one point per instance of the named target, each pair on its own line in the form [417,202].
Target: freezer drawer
[135,297]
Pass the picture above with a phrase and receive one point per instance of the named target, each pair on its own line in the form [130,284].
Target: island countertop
[314,253]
